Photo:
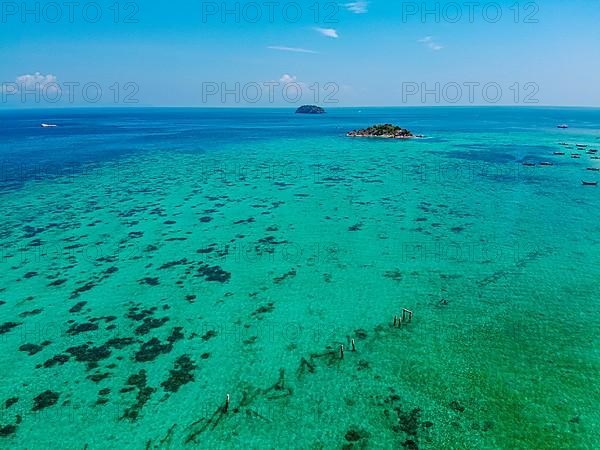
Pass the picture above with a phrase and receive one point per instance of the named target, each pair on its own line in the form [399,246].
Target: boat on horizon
[563,126]
[48,125]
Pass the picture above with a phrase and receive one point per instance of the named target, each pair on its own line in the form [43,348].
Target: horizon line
[132,107]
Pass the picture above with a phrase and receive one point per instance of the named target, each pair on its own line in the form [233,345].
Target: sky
[280,54]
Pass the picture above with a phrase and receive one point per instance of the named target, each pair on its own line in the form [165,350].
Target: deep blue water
[87,136]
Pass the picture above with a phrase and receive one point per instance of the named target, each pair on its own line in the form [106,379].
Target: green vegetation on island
[388,131]
[310,109]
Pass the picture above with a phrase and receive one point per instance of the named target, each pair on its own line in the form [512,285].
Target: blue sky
[353,53]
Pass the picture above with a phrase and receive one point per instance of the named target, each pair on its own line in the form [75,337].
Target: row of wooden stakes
[406,313]
[398,321]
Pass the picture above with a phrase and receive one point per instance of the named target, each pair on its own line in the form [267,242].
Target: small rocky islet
[310,109]
[386,131]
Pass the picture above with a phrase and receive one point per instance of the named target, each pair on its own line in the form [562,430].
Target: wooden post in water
[342,351]
[226,409]
[395,320]
[353,346]
[407,312]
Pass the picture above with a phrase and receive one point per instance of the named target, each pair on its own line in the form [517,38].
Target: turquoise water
[155,261]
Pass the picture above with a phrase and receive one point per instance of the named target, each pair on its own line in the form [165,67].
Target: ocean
[221,278]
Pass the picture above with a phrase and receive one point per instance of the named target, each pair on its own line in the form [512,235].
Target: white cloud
[36,80]
[286,78]
[430,43]
[39,82]
[290,49]
[32,83]
[357,7]
[328,32]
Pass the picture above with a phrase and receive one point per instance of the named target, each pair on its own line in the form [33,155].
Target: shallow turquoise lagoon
[155,261]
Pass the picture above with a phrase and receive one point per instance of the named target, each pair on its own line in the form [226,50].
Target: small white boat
[48,125]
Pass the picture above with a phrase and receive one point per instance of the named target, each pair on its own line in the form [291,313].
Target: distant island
[310,109]
[387,131]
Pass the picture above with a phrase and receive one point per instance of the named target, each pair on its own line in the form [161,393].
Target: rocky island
[387,131]
[310,109]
